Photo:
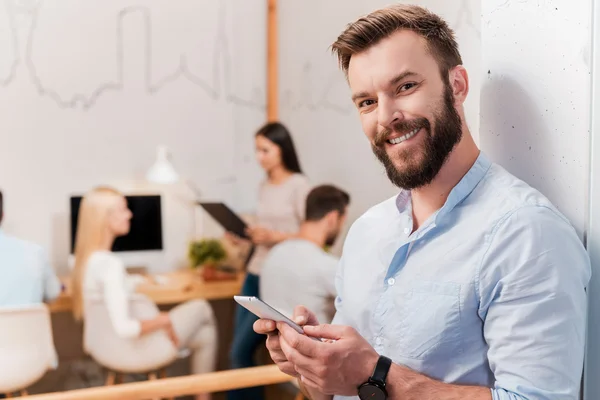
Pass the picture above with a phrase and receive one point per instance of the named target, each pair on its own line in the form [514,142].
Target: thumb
[326,331]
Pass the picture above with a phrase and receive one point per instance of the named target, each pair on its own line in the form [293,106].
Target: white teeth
[405,137]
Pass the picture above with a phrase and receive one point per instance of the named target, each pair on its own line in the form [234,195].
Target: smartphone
[262,310]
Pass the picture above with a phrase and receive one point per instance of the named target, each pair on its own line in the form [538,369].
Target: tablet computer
[229,220]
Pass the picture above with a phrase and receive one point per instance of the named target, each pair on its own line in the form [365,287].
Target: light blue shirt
[489,291]
[26,276]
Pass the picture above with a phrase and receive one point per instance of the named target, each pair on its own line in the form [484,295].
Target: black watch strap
[381,370]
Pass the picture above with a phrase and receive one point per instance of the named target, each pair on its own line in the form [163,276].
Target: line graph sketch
[10,37]
[213,87]
[465,18]
[313,92]
[307,95]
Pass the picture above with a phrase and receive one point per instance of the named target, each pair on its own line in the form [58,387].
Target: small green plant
[206,251]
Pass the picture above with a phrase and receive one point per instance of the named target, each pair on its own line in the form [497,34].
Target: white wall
[535,98]
[89,89]
[316,101]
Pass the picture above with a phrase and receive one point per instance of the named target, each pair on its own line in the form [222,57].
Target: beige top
[281,208]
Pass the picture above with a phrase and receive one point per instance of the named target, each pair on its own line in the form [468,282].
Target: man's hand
[337,366]
[302,316]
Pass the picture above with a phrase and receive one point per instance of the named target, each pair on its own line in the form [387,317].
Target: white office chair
[26,347]
[145,355]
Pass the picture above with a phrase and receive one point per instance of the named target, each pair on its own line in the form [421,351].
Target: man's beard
[435,149]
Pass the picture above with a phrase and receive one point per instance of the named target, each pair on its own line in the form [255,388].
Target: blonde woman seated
[103,216]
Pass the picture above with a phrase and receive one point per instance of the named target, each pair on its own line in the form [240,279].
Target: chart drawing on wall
[308,92]
[9,61]
[218,87]
[465,17]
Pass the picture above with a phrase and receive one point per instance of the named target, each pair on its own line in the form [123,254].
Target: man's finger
[303,316]
[264,326]
[303,365]
[299,360]
[288,368]
[273,343]
[309,382]
[326,331]
[299,342]
[278,356]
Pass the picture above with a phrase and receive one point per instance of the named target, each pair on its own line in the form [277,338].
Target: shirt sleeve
[116,299]
[52,285]
[532,287]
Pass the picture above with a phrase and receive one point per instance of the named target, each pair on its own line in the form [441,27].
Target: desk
[182,285]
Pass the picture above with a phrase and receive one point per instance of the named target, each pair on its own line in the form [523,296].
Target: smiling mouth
[405,137]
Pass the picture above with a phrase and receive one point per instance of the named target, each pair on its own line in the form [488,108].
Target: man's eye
[366,103]
[407,86]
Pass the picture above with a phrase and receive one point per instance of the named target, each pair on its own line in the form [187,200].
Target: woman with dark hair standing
[280,211]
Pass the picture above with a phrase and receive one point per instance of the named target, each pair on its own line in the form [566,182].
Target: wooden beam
[272,62]
[179,386]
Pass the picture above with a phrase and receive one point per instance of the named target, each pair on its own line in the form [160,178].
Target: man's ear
[459,82]
[332,217]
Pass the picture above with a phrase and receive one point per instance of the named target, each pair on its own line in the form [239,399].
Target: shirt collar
[460,192]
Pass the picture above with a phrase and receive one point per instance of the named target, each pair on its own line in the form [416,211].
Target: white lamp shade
[162,171]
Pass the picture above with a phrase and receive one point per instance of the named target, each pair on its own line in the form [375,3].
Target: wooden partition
[272,62]
[179,386]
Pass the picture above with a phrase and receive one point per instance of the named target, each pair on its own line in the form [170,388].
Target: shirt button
[406,230]
[391,281]
[378,341]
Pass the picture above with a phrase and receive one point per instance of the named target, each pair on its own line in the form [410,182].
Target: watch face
[371,392]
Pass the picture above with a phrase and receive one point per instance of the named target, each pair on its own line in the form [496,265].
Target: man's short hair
[323,199]
[378,25]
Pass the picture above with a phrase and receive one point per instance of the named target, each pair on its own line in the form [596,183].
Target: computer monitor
[146,224]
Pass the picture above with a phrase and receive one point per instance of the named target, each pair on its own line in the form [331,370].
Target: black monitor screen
[146,224]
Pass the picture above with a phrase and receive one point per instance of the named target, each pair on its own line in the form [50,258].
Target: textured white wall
[535,97]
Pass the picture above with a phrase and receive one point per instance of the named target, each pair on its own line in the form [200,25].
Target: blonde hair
[378,25]
[92,226]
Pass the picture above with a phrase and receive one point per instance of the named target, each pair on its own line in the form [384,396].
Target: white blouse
[106,277]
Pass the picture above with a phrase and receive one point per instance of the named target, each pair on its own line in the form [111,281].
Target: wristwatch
[374,388]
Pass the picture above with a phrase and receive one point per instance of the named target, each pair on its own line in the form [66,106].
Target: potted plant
[206,255]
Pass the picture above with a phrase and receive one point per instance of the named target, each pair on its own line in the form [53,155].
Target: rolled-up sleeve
[532,287]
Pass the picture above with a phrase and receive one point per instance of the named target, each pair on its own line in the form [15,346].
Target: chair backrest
[26,346]
[101,341]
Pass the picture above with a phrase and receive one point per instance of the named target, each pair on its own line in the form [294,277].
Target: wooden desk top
[181,286]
